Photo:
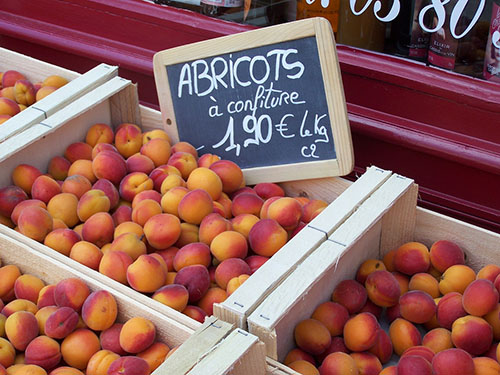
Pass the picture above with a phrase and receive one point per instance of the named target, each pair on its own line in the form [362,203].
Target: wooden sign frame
[321,30]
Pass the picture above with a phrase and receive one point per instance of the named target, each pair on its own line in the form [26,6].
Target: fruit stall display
[25,82]
[167,219]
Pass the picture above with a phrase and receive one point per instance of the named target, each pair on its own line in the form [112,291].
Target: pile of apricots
[65,329]
[179,227]
[443,318]
[18,93]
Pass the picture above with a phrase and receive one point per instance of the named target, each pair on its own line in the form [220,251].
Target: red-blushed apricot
[246,203]
[367,267]
[366,362]
[114,264]
[338,363]
[23,204]
[35,222]
[43,351]
[62,240]
[78,150]
[286,211]
[196,279]
[109,189]
[175,296]
[129,365]
[65,370]
[311,209]
[61,323]
[194,206]
[360,332]
[146,274]
[229,268]
[230,174]
[155,133]
[255,261]
[486,366]
[226,204]
[417,306]
[312,336]
[28,287]
[19,305]
[24,369]
[472,334]
[493,319]
[162,230]
[58,168]
[403,281]
[128,139]
[206,179]
[213,295]
[304,367]
[8,276]
[195,312]
[189,234]
[382,347]
[297,354]
[350,294]
[382,288]
[98,229]
[110,339]
[185,162]
[20,328]
[456,279]
[489,272]
[190,254]
[122,214]
[129,243]
[243,223]
[71,292]
[229,244]
[84,168]
[79,346]
[99,133]
[437,339]
[99,310]
[10,196]
[155,355]
[24,175]
[77,185]
[267,190]
[46,296]
[137,334]
[426,283]
[266,237]
[480,297]
[333,315]
[453,361]
[388,260]
[412,364]
[206,160]
[146,194]
[444,254]
[86,253]
[449,309]
[100,362]
[185,147]
[412,258]
[403,335]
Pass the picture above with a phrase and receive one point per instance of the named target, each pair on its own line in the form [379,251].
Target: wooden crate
[216,343]
[35,71]
[386,220]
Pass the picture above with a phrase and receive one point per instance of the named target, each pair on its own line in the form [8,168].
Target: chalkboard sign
[270,100]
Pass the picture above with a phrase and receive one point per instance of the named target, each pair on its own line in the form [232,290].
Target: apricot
[9,107]
[139,163]
[437,339]
[472,334]
[360,332]
[412,364]
[128,139]
[193,253]
[99,147]
[206,179]
[304,367]
[312,336]
[426,283]
[196,280]
[99,310]
[297,354]
[453,361]
[92,202]
[9,77]
[7,353]
[145,274]
[155,133]
[58,168]
[110,339]
[412,258]
[43,351]
[61,323]
[267,190]
[65,370]
[121,214]
[367,363]
[129,365]
[99,133]
[456,279]
[155,355]
[338,363]
[130,244]
[285,210]
[62,240]
[42,315]
[8,276]
[229,244]
[78,151]
[382,288]
[213,295]
[230,174]
[24,175]
[82,167]
[266,237]
[333,316]
[417,306]
[20,328]
[350,294]
[114,264]
[372,308]
[175,296]
[486,366]
[110,190]
[311,209]
[159,174]
[19,305]
[79,346]
[228,269]
[255,262]
[137,334]
[71,292]
[444,254]
[367,267]
[194,206]
[23,369]
[403,335]
[100,362]
[480,297]
[185,162]
[46,296]
[489,272]
[86,253]
[28,287]
[162,230]
[77,185]
[133,183]
[98,229]
[235,283]
[35,222]
[146,194]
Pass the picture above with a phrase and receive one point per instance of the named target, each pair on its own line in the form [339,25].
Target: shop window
[458,35]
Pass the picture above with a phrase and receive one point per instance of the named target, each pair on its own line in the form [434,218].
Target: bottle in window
[443,46]
[328,9]
[227,9]
[491,70]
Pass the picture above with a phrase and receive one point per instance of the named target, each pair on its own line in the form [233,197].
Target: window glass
[458,35]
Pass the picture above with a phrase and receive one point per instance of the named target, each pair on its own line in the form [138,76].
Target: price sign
[270,100]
